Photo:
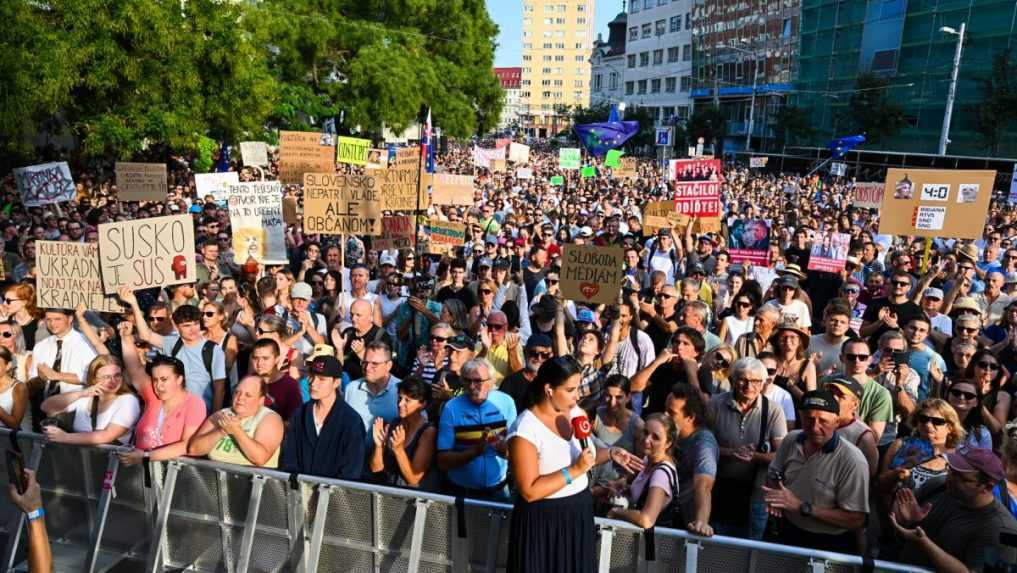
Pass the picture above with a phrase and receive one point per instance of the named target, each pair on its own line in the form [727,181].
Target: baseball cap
[485,262]
[844,383]
[326,366]
[967,460]
[664,232]
[538,341]
[322,350]
[696,268]
[586,232]
[387,260]
[461,342]
[821,401]
[585,315]
[1011,278]
[301,290]
[501,263]
[933,292]
[788,280]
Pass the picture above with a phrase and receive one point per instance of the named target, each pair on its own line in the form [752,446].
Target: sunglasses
[7,334]
[901,283]
[857,357]
[496,326]
[771,371]
[156,318]
[209,313]
[963,395]
[743,304]
[486,291]
[966,329]
[10,300]
[540,355]
[439,338]
[988,366]
[551,281]
[934,420]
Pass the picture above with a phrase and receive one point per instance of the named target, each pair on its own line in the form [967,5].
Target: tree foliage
[791,124]
[997,110]
[872,111]
[709,123]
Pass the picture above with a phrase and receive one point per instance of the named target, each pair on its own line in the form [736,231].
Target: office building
[557,39]
[511,80]
[658,58]
[607,64]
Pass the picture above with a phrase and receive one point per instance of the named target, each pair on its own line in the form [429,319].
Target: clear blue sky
[508,14]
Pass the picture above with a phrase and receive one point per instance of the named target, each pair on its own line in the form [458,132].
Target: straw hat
[788,324]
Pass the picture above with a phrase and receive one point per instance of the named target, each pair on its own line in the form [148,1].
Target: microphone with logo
[581,428]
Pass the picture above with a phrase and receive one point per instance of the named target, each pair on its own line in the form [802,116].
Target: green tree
[791,125]
[872,111]
[997,110]
[709,123]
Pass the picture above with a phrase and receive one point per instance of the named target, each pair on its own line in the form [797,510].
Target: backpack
[206,354]
[670,515]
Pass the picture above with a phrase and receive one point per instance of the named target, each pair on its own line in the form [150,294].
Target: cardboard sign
[868,195]
[592,274]
[445,236]
[569,158]
[353,151]
[215,184]
[628,169]
[377,159]
[303,152]
[829,252]
[658,215]
[498,166]
[945,203]
[256,219]
[396,233]
[750,241]
[147,253]
[45,184]
[524,173]
[519,153]
[448,189]
[254,153]
[482,157]
[289,209]
[68,274]
[758,162]
[341,204]
[141,181]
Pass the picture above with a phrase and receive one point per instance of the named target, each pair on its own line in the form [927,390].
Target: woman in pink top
[172,414]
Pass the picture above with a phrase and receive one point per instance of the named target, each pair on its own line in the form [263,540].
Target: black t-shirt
[515,385]
[658,335]
[797,256]
[530,280]
[905,312]
[351,362]
[465,295]
[662,380]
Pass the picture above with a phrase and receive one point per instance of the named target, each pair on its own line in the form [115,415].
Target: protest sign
[448,189]
[869,195]
[398,185]
[569,158]
[945,203]
[613,158]
[524,173]
[482,157]
[141,181]
[519,153]
[838,169]
[750,241]
[445,236]
[377,159]
[758,162]
[352,150]
[147,253]
[697,186]
[396,233]
[254,153]
[256,219]
[498,166]
[557,180]
[658,215]
[592,274]
[829,252]
[215,184]
[68,274]
[588,171]
[45,184]
[627,169]
[305,152]
[289,208]
[337,204]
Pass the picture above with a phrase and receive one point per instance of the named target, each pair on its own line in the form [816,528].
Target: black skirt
[553,535]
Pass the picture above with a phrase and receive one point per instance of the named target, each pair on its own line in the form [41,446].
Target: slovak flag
[427,145]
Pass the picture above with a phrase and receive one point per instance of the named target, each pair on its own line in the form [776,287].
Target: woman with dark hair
[552,527]
[13,393]
[615,424]
[966,398]
[404,450]
[741,318]
[564,235]
[985,371]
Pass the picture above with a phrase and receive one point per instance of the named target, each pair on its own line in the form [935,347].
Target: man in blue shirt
[471,436]
[376,395]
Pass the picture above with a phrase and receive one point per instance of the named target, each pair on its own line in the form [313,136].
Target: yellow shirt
[227,450]
[498,357]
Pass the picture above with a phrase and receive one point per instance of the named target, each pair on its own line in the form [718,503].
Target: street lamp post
[752,98]
[944,136]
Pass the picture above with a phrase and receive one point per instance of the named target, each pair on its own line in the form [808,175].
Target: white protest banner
[67,274]
[254,152]
[396,233]
[448,189]
[45,184]
[215,184]
[141,181]
[869,195]
[838,169]
[337,204]
[305,152]
[570,158]
[829,252]
[758,162]
[147,253]
[256,219]
[592,274]
[524,173]
[353,151]
[519,153]
[482,157]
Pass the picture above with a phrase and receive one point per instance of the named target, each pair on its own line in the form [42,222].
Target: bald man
[660,317]
[353,340]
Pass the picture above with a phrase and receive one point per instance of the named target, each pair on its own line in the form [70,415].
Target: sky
[508,14]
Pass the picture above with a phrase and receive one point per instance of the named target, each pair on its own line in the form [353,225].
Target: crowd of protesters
[869,411]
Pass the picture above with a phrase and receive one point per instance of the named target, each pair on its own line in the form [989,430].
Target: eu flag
[597,138]
[838,147]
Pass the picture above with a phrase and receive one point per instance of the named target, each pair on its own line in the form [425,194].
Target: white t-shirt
[553,453]
[942,323]
[124,411]
[780,396]
[795,311]
[737,327]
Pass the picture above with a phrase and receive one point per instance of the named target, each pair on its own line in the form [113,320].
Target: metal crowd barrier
[197,515]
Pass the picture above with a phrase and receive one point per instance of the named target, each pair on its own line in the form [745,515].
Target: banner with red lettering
[697,186]
[750,241]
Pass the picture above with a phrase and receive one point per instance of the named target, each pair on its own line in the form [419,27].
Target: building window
[527,46]
[682,113]
[631,60]
[580,58]
[672,54]
[658,57]
[581,8]
[642,86]
[634,33]
[660,26]
[633,6]
[560,46]
[560,21]
[686,83]
[548,21]
[676,23]
[581,21]
[647,4]
[559,58]
[654,86]
[644,59]
[546,70]
[613,83]
[580,45]
[688,20]
[547,45]
[669,85]
[647,30]
[687,53]
[579,83]
[628,88]
[527,58]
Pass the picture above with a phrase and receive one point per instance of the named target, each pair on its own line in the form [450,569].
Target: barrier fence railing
[203,516]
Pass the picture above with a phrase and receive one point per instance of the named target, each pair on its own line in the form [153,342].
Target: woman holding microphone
[552,526]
